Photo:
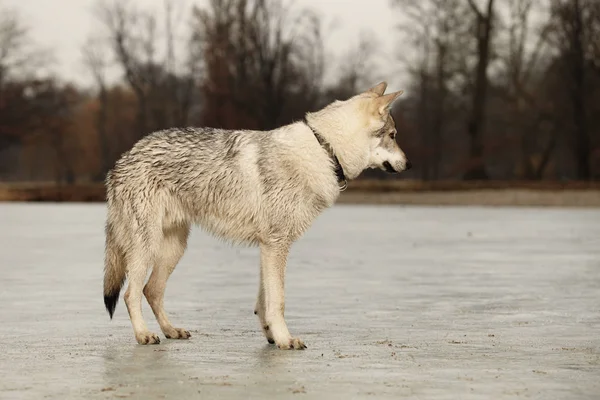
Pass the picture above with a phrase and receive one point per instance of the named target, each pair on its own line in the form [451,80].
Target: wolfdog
[259,188]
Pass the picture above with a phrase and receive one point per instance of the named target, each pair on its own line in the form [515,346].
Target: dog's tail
[114,271]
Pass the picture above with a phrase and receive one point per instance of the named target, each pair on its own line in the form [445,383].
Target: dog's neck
[339,170]
[332,126]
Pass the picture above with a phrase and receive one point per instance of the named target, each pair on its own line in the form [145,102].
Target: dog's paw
[177,333]
[292,344]
[147,338]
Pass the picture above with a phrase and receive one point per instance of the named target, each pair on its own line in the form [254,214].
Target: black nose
[408,165]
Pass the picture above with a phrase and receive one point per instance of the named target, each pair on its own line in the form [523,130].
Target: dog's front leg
[259,310]
[273,259]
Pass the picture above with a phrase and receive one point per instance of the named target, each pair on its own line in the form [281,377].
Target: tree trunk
[102,132]
[424,127]
[476,169]
[582,147]
[438,121]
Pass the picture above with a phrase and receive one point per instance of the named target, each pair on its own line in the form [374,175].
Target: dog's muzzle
[388,167]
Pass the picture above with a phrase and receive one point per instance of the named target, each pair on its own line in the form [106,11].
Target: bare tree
[19,58]
[438,33]
[571,33]
[258,55]
[357,69]
[419,31]
[594,32]
[274,51]
[459,68]
[12,39]
[310,60]
[33,108]
[164,86]
[483,31]
[531,112]
[95,59]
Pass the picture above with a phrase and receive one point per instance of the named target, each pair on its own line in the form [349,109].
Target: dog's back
[225,181]
[185,175]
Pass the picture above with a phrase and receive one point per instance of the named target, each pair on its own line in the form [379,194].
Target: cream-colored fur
[252,187]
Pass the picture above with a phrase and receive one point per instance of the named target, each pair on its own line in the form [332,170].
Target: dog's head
[366,132]
[384,152]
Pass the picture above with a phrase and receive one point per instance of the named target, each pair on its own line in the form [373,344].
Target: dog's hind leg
[139,260]
[273,259]
[140,256]
[173,246]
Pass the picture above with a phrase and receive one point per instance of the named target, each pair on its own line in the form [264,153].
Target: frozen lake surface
[392,302]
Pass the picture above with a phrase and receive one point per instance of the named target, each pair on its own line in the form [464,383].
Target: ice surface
[411,302]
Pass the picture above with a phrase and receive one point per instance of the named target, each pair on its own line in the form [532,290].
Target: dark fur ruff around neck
[339,171]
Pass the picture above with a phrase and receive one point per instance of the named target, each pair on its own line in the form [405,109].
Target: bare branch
[94,57]
[475,8]
[19,56]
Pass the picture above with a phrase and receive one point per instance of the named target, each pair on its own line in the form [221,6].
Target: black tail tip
[110,302]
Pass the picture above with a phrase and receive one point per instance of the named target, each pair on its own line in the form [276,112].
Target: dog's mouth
[388,167]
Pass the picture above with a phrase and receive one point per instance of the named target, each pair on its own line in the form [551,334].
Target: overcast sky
[63,26]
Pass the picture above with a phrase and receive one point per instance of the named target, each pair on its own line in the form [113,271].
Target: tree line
[497,89]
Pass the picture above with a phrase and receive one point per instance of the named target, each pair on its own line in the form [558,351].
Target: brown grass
[93,192]
[493,193]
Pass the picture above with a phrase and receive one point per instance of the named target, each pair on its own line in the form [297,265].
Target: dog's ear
[379,89]
[384,103]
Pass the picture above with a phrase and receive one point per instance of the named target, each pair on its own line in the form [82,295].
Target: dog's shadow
[135,365]
[270,359]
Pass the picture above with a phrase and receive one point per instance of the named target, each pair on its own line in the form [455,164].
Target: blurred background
[495,90]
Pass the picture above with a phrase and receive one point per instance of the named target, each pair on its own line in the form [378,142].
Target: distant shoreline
[399,192]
